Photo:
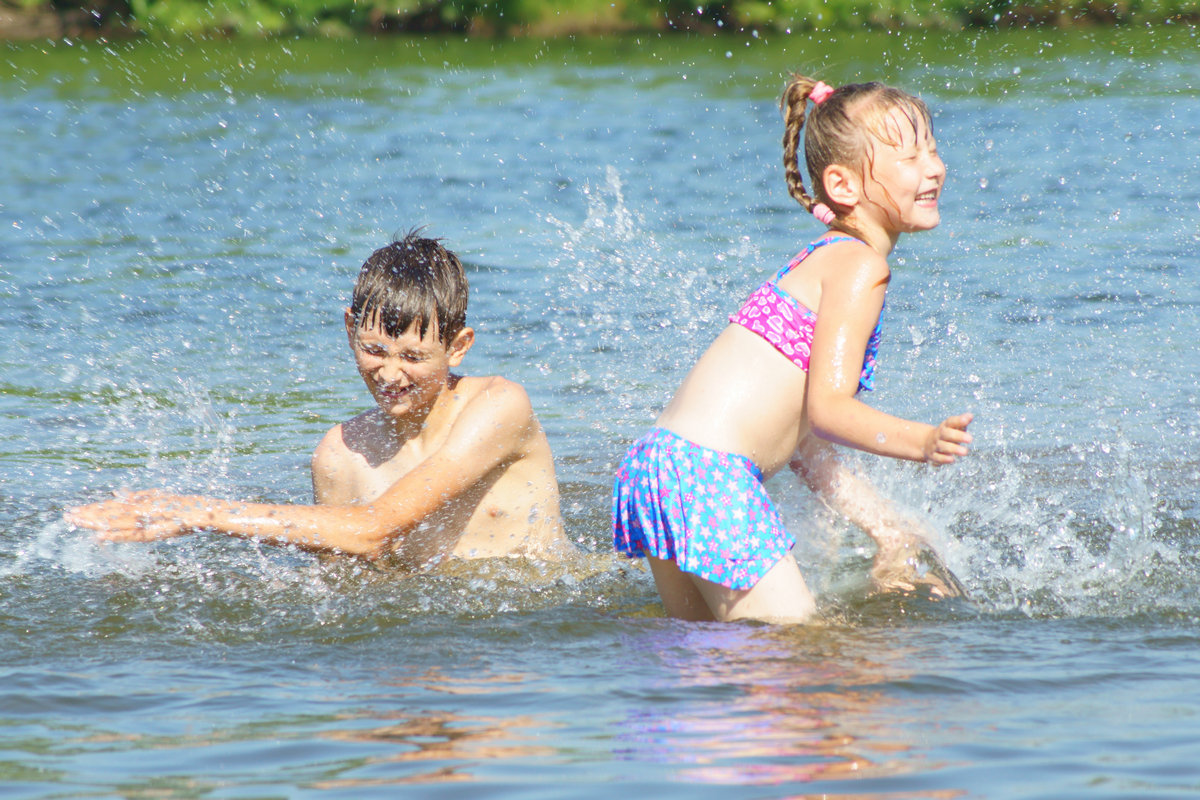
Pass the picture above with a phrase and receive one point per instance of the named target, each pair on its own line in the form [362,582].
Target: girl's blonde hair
[836,131]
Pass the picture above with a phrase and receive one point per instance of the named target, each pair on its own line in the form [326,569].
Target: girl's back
[745,395]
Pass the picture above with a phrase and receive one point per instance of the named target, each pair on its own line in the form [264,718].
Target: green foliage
[547,17]
[177,17]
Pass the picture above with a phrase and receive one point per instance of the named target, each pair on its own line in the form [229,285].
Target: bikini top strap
[807,251]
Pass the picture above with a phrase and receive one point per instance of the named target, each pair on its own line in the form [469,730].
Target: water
[181,223]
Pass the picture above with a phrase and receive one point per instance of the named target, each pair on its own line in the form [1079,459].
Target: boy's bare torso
[513,509]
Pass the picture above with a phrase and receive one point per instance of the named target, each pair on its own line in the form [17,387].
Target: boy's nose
[390,371]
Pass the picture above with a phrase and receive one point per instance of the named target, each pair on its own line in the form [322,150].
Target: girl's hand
[948,441]
[910,564]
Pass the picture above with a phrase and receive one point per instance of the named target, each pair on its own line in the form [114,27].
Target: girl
[780,383]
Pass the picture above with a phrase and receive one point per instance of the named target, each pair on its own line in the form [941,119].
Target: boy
[443,465]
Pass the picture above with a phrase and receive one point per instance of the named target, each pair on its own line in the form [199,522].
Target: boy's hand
[132,517]
[948,441]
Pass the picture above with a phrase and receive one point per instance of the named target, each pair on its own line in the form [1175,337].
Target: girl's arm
[851,301]
[905,557]
[848,493]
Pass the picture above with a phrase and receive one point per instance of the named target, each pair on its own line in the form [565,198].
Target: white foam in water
[1041,539]
[60,546]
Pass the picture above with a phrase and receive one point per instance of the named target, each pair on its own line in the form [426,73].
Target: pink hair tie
[823,213]
[820,93]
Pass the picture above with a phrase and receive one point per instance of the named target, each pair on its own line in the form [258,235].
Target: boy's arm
[493,429]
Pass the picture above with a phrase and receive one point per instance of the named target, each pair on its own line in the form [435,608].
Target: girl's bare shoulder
[851,262]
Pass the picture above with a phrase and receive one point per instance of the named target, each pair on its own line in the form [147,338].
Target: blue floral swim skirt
[705,510]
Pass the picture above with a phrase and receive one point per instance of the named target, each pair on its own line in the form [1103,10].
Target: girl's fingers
[947,451]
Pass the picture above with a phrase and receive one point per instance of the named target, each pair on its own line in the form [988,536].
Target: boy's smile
[405,374]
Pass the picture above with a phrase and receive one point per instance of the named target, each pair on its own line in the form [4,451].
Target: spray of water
[631,313]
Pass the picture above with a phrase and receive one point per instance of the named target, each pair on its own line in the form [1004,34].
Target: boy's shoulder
[490,406]
[494,391]
[362,434]
[473,401]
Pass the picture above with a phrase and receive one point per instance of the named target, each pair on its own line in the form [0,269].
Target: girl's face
[903,177]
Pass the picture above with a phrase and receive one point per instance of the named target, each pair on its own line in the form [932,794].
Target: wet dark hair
[413,279]
[836,131]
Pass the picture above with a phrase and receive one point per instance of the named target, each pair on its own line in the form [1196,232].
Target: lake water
[181,224]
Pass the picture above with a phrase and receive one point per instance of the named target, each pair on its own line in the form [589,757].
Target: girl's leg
[681,598]
[780,596]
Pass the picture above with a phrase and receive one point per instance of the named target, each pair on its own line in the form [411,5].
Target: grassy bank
[555,17]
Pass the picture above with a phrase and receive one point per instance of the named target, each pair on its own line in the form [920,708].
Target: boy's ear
[460,345]
[350,326]
[842,185]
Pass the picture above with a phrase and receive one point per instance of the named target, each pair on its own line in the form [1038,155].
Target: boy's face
[406,373]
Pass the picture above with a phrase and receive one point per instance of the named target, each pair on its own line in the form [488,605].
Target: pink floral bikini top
[788,325]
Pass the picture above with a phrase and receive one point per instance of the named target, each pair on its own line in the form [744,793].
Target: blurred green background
[168,18]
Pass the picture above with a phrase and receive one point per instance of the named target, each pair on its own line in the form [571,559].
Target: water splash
[631,314]
[1078,531]
[58,547]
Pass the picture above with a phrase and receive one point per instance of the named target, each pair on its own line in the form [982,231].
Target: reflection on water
[438,747]
[780,707]
[424,742]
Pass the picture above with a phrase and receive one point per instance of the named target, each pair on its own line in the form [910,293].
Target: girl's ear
[459,347]
[842,186]
[350,326]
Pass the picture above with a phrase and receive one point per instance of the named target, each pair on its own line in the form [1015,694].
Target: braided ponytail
[794,106]
[798,92]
